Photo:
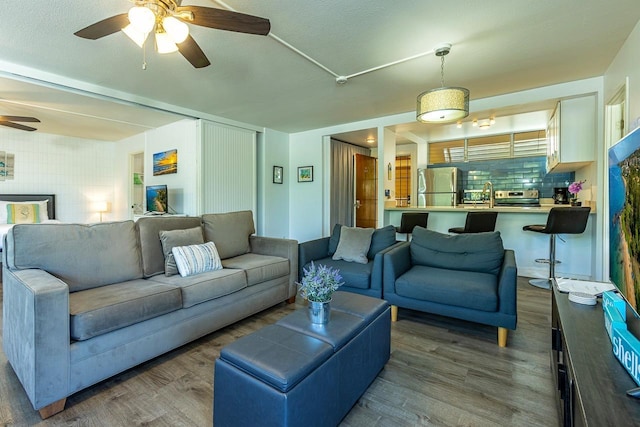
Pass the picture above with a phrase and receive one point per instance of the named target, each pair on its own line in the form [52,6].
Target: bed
[51,208]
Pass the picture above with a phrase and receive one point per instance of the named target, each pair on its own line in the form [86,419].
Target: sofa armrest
[311,251]
[36,336]
[285,248]
[396,262]
[507,283]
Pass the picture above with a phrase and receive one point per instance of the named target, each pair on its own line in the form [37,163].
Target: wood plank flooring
[442,372]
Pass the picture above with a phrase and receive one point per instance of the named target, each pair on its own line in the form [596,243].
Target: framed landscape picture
[277,174]
[165,163]
[305,174]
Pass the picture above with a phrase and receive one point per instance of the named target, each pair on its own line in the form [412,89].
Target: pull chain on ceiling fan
[167,20]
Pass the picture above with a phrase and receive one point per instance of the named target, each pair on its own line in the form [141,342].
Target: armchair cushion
[354,275]
[477,291]
[354,244]
[478,252]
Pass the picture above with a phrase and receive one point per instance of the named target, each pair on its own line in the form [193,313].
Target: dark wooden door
[366,186]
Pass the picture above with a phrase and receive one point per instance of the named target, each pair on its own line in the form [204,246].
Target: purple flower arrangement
[319,282]
[576,187]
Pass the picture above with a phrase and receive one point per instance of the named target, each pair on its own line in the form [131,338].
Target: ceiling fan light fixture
[138,37]
[443,104]
[177,30]
[142,18]
[164,43]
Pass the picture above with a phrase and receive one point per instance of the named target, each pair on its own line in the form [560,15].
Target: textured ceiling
[499,46]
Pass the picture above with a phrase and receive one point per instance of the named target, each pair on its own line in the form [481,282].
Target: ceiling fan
[167,20]
[9,122]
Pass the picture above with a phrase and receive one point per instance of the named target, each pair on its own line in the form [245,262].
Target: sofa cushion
[481,252]
[100,310]
[172,238]
[354,275]
[229,231]
[473,290]
[149,231]
[259,268]
[196,259]
[206,286]
[84,256]
[354,244]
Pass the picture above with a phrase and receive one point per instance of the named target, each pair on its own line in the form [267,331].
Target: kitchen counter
[543,208]
[575,251]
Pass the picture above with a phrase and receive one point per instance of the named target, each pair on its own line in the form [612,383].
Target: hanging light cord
[442,70]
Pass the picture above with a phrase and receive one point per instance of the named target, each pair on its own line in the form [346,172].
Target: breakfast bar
[576,252]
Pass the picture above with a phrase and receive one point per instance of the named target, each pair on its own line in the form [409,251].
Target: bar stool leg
[546,283]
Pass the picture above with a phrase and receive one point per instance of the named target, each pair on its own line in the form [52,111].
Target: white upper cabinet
[571,135]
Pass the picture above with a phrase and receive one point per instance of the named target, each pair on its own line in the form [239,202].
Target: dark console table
[592,384]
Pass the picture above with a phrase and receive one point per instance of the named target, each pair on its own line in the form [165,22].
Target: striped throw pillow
[195,259]
[23,213]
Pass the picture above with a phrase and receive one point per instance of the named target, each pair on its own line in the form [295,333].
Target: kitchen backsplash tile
[510,174]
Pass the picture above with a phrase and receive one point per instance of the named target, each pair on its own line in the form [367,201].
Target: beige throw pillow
[354,244]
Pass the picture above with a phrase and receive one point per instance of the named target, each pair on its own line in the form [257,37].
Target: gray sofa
[82,303]
[365,279]
[468,276]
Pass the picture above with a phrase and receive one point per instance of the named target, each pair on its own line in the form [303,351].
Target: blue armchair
[365,279]
[468,276]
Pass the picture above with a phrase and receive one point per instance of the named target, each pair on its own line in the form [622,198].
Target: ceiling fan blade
[17,126]
[104,27]
[192,52]
[18,119]
[227,20]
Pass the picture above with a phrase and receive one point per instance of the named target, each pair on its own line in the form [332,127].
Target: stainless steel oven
[517,198]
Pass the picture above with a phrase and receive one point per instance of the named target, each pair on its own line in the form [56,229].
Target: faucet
[489,185]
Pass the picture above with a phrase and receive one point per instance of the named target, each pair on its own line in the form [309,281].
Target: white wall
[625,65]
[181,186]
[78,171]
[273,199]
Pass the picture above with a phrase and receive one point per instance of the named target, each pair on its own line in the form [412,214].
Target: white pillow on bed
[42,209]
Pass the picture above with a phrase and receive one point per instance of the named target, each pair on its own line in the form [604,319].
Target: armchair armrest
[377,269]
[396,262]
[285,248]
[36,337]
[311,251]
[507,283]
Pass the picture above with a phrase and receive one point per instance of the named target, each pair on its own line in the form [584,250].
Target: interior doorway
[366,191]
[136,183]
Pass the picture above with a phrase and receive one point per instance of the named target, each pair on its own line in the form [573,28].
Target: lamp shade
[164,43]
[177,30]
[101,206]
[444,104]
[142,18]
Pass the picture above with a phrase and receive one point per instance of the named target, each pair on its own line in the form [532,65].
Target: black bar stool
[569,220]
[410,220]
[477,222]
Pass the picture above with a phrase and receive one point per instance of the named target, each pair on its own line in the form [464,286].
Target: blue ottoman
[295,373]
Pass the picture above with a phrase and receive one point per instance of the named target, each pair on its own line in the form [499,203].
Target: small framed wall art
[305,173]
[165,162]
[277,174]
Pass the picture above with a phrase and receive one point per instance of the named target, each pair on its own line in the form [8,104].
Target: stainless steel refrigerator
[438,187]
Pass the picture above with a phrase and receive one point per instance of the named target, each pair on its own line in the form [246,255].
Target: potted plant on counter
[574,189]
[318,284]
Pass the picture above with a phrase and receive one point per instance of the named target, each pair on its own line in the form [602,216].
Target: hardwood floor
[442,372]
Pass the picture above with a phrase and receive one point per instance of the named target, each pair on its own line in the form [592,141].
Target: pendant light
[443,104]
